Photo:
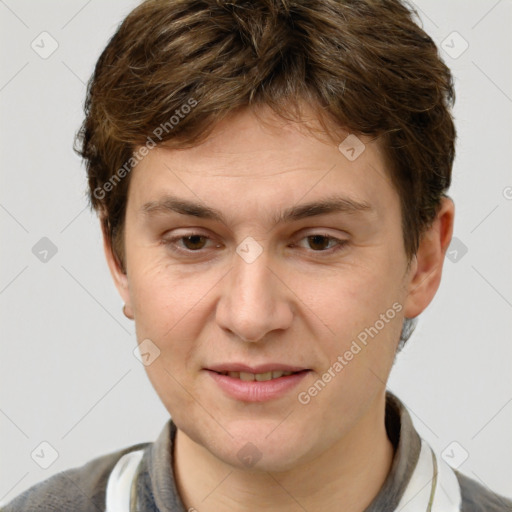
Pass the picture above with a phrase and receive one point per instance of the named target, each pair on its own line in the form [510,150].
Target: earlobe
[127,312]
[426,270]
[118,274]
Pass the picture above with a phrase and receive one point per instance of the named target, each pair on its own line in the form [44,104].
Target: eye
[320,242]
[192,242]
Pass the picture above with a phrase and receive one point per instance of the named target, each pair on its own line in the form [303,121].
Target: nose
[254,300]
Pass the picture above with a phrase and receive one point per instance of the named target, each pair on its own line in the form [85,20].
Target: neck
[351,472]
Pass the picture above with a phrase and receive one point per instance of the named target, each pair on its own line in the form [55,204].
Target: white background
[68,374]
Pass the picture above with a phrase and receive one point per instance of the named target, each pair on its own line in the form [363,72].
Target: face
[227,270]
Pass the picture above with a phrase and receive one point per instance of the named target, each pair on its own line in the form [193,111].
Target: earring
[127,314]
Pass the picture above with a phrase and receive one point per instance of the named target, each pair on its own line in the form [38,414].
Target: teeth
[260,377]
[279,373]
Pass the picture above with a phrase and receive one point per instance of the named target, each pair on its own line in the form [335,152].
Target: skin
[299,303]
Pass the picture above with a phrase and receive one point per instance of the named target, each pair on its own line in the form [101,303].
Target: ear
[427,265]
[118,274]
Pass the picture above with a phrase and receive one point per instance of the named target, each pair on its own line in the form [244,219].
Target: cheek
[169,309]
[364,313]
[164,297]
[354,299]
[358,354]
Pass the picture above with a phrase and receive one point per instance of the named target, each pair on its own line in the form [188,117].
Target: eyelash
[169,242]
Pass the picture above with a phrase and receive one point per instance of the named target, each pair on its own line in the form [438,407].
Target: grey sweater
[83,489]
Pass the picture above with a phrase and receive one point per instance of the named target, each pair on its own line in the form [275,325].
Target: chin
[273,444]
[260,458]
[260,446]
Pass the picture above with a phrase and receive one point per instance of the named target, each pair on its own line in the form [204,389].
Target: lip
[261,368]
[257,391]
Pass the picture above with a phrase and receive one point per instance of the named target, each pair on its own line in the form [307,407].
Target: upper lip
[261,368]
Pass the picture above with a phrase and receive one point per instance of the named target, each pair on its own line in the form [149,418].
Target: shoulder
[81,489]
[477,498]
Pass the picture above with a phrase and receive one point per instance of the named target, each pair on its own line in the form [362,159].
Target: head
[251,110]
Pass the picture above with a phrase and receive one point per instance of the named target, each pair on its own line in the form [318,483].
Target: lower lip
[256,391]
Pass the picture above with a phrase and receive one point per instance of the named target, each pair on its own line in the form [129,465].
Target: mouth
[257,384]
[259,377]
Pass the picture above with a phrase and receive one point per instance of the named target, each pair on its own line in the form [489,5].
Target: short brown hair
[363,64]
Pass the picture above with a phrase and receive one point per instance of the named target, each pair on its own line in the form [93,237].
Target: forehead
[267,163]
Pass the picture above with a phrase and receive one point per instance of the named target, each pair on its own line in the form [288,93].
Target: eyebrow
[329,205]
